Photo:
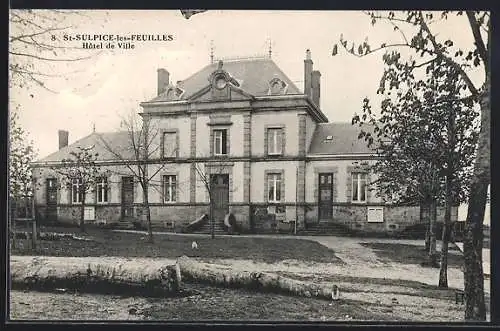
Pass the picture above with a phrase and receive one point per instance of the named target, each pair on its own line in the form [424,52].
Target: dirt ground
[372,287]
[210,303]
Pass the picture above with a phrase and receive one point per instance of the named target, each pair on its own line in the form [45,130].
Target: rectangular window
[169,188]
[169,144]
[274,187]
[102,190]
[274,141]
[77,190]
[220,142]
[359,187]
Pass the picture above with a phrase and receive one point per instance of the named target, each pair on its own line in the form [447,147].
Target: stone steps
[219,228]
[124,225]
[324,229]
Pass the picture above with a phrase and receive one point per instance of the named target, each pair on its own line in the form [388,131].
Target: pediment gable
[222,86]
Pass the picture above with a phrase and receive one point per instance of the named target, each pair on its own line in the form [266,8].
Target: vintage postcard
[249,166]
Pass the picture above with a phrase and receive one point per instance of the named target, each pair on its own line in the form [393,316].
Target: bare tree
[36,47]
[80,174]
[142,147]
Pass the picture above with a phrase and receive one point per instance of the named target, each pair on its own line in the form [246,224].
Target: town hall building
[271,157]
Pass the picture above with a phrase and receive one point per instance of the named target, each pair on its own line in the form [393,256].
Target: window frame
[276,178]
[175,151]
[172,187]
[102,187]
[222,143]
[357,178]
[76,183]
[277,140]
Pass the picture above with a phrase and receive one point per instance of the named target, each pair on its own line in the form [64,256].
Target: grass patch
[411,254]
[110,243]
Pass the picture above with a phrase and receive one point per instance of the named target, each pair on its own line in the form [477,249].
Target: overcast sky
[112,83]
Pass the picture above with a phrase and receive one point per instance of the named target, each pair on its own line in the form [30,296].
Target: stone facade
[245,114]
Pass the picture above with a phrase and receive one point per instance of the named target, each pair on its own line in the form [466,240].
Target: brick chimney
[308,67]
[163,80]
[315,85]
[63,138]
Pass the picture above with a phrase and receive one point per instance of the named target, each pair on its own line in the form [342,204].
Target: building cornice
[259,103]
[188,160]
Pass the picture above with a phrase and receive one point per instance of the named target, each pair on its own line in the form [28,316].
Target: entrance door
[127,197]
[51,213]
[325,196]
[220,196]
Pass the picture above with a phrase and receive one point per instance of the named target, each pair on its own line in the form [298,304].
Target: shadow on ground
[411,254]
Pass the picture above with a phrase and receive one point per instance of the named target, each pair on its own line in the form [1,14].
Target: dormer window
[277,86]
[174,93]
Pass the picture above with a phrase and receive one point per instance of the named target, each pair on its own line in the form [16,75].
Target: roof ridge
[198,71]
[67,146]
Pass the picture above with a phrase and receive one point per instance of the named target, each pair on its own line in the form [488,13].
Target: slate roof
[344,142]
[117,141]
[344,139]
[253,75]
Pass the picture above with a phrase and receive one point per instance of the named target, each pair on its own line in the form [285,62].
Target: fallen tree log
[220,275]
[93,275]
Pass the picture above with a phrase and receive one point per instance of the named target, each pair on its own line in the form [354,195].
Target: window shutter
[162,145]
[282,184]
[266,141]
[108,189]
[163,190]
[281,142]
[96,193]
[224,141]
[212,142]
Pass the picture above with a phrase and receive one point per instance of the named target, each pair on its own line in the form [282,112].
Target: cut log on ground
[93,275]
[220,275]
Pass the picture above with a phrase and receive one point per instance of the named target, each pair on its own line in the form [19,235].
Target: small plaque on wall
[89,213]
[375,214]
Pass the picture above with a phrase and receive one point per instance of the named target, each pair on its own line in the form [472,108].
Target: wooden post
[33,215]
[33,236]
[12,225]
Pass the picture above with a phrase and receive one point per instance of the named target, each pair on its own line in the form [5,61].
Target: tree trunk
[145,196]
[82,214]
[213,274]
[212,222]
[432,232]
[473,238]
[424,219]
[12,220]
[443,271]
[93,275]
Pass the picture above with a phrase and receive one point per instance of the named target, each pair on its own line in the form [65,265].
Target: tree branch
[49,59]
[474,24]
[31,35]
[439,52]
